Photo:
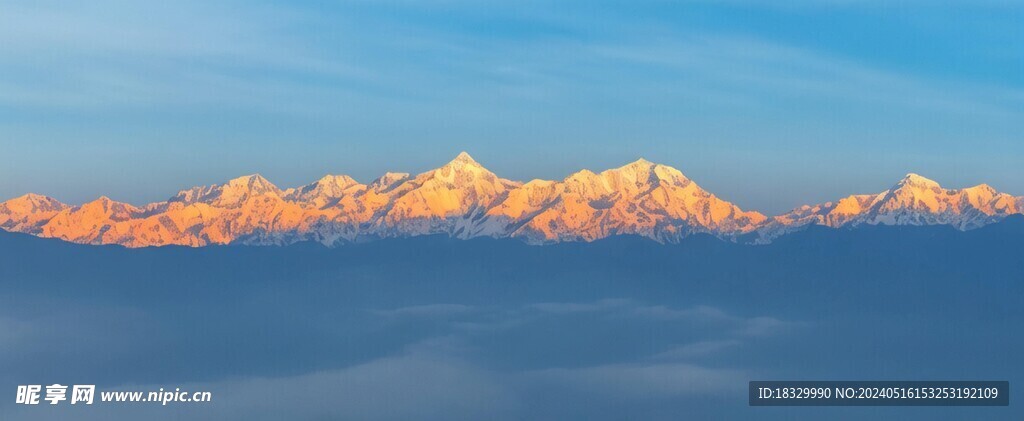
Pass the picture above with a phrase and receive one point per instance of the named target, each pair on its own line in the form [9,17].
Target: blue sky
[768,105]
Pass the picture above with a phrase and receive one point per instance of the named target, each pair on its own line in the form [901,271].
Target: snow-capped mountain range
[914,200]
[463,199]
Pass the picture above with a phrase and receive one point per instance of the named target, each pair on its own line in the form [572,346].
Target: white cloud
[643,381]
[696,349]
[427,310]
[569,307]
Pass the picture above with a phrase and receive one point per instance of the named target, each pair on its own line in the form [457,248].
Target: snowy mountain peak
[643,174]
[32,197]
[388,181]
[464,159]
[28,212]
[337,180]
[35,201]
[231,194]
[102,201]
[462,163]
[105,201]
[982,189]
[328,184]
[253,183]
[324,191]
[462,172]
[581,175]
[642,162]
[639,166]
[108,208]
[914,180]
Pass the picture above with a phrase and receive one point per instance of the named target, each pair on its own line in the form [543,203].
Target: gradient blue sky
[768,104]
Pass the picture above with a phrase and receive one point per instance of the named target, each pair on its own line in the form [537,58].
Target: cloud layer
[492,362]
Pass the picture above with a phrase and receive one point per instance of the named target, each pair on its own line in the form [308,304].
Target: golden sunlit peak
[34,197]
[465,159]
[391,177]
[917,180]
[643,162]
[246,179]
[388,180]
[254,182]
[983,187]
[651,169]
[463,165]
[107,201]
[538,182]
[582,174]
[341,180]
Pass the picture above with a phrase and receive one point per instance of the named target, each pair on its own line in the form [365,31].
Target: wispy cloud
[473,320]
[423,361]
[762,72]
[569,307]
[427,310]
[197,52]
[643,381]
[685,83]
[415,385]
[696,349]
[116,53]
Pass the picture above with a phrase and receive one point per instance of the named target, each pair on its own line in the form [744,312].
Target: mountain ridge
[463,199]
[914,200]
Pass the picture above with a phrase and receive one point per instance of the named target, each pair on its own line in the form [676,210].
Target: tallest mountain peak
[463,158]
[463,163]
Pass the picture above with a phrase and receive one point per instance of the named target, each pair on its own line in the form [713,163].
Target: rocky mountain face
[463,199]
